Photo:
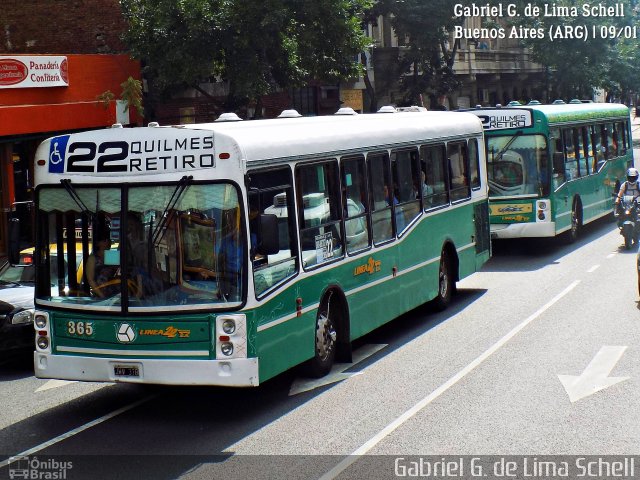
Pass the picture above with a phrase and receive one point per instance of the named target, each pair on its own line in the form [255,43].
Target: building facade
[62,66]
[490,71]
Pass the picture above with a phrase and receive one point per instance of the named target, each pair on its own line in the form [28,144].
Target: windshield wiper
[173,200]
[498,156]
[66,183]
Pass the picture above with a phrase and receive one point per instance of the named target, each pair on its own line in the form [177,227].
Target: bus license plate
[126,371]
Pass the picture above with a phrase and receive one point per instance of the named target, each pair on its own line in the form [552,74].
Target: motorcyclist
[630,187]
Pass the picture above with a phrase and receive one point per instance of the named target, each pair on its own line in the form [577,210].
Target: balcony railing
[478,61]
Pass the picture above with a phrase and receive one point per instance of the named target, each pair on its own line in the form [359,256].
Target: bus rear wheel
[576,221]
[445,284]
[326,339]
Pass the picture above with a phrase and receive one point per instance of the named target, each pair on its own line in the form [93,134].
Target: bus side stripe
[353,291]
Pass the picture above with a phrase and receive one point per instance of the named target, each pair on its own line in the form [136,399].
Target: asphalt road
[482,378]
[537,356]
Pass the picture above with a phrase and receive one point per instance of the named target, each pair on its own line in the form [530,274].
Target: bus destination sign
[503,118]
[127,151]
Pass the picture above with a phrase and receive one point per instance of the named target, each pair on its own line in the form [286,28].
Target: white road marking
[80,429]
[596,376]
[337,372]
[54,384]
[611,255]
[390,428]
[593,269]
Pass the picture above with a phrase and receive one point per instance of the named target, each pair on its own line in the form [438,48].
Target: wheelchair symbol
[55,154]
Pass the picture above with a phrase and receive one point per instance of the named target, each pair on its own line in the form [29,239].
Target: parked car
[17,285]
[17,291]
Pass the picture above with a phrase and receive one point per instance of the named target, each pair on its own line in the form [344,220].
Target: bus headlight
[228,326]
[40,321]
[42,343]
[42,327]
[231,336]
[226,348]
[543,210]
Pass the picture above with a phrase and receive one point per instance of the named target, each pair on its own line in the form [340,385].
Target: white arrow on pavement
[337,372]
[54,384]
[596,376]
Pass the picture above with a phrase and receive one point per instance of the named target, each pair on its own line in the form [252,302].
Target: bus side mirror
[14,241]
[269,244]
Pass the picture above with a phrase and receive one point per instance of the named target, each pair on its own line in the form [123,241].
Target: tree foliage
[427,59]
[256,46]
[576,66]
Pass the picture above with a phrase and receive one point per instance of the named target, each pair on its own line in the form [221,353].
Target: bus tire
[326,339]
[576,221]
[446,283]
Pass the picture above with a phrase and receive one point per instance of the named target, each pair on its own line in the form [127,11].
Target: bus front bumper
[238,372]
[522,230]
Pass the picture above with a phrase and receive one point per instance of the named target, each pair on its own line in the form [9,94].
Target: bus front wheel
[326,338]
[445,283]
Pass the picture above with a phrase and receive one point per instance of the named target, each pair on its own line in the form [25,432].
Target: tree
[256,46]
[577,66]
[426,61]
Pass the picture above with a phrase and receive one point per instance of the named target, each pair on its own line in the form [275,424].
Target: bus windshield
[517,165]
[143,247]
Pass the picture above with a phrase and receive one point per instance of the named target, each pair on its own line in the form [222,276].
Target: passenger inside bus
[100,274]
[141,263]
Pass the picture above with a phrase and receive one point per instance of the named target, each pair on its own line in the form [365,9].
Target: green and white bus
[229,252]
[553,168]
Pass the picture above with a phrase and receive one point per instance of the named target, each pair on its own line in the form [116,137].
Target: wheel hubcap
[325,336]
[444,281]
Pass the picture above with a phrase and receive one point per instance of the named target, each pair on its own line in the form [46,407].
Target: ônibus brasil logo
[34,467]
[125,333]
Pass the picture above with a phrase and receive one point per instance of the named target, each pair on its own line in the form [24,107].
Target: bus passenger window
[271,193]
[354,204]
[625,129]
[474,163]
[621,130]
[589,155]
[570,159]
[406,180]
[598,140]
[319,213]
[559,176]
[458,170]
[611,142]
[381,197]
[583,168]
[434,167]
